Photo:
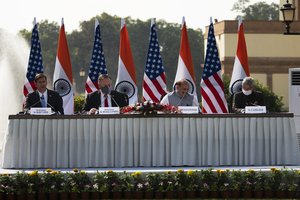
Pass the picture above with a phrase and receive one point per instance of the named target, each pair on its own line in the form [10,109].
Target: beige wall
[262,78]
[281,87]
[261,45]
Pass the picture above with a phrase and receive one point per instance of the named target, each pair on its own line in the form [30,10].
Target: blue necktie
[43,102]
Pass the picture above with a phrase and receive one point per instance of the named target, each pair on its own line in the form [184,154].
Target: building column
[270,81]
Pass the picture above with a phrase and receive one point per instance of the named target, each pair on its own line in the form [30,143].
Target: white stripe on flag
[219,88]
[205,106]
[211,95]
[152,87]
[145,95]
[91,85]
[161,82]
[28,86]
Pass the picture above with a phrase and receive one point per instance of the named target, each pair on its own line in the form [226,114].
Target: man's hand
[93,111]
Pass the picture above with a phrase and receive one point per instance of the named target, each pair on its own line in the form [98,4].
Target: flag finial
[183,20]
[211,20]
[240,19]
[62,21]
[96,23]
[34,21]
[122,22]
[153,21]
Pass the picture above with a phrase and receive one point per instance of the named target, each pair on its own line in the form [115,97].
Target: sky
[18,14]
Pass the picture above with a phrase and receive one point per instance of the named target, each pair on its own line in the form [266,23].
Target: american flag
[97,66]
[35,63]
[212,87]
[154,84]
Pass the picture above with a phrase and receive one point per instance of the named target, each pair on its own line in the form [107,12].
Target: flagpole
[152,21]
[96,23]
[240,21]
[34,21]
[122,22]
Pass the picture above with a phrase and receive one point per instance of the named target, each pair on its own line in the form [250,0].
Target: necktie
[43,102]
[105,101]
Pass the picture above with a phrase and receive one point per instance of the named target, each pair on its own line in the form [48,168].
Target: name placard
[255,109]
[40,111]
[108,110]
[189,109]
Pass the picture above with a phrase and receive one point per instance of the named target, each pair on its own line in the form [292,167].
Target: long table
[154,140]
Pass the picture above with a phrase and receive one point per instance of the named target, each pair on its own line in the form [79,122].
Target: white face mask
[247,92]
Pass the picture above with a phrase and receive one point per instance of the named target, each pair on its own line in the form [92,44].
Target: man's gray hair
[103,76]
[182,82]
[249,81]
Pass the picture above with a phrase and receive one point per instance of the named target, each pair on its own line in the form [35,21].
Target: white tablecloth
[150,141]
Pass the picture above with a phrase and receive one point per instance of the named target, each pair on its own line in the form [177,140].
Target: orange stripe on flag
[242,50]
[185,51]
[63,53]
[125,53]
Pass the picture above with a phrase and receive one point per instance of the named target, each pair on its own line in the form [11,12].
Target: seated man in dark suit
[247,97]
[104,97]
[44,97]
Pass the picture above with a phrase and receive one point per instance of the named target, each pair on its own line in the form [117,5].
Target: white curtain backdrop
[150,141]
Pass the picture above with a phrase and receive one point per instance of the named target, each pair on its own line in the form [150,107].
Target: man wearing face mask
[180,97]
[247,97]
[104,97]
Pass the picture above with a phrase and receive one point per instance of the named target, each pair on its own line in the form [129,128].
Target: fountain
[14,53]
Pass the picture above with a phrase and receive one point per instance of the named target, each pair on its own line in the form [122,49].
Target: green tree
[240,5]
[257,11]
[262,11]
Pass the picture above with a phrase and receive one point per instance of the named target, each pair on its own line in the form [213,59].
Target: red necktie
[105,101]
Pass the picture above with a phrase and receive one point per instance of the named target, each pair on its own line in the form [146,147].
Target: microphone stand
[181,100]
[26,110]
[112,97]
[55,111]
[114,100]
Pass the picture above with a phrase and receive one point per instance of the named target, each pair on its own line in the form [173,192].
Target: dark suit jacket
[53,99]
[240,100]
[93,100]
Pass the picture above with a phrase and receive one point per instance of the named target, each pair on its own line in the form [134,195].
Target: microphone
[255,104]
[112,97]
[181,99]
[252,104]
[56,111]
[26,110]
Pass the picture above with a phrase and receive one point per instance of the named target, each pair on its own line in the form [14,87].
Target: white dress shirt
[103,99]
[45,96]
